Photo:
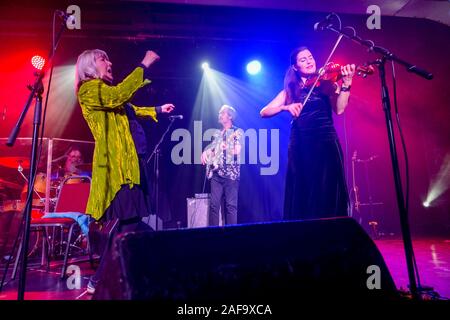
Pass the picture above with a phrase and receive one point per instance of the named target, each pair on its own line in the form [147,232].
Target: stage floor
[432,256]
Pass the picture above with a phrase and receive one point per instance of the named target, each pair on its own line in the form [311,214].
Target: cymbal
[13,162]
[11,185]
[84,167]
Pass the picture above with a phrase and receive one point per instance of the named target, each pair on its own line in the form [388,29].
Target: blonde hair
[230,110]
[86,69]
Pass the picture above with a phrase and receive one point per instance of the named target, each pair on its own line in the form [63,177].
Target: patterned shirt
[228,162]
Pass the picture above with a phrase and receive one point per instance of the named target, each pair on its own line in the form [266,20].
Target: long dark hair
[292,81]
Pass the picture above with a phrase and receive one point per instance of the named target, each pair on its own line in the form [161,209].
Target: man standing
[223,167]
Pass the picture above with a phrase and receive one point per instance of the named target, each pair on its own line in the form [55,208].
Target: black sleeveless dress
[315,182]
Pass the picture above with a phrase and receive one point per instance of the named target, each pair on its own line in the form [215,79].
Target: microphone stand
[36,92]
[157,153]
[386,104]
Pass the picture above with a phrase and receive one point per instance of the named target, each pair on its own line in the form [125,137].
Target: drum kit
[10,190]
[14,191]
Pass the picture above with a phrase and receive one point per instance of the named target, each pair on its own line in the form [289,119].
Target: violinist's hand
[348,72]
[294,108]
[167,108]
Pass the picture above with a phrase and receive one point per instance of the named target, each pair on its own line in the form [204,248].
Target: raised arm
[97,95]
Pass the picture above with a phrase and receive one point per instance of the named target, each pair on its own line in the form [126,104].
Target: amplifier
[198,212]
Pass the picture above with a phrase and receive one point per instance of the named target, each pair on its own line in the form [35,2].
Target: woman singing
[116,192]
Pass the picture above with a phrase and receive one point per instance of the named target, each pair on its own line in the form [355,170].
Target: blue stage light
[254,67]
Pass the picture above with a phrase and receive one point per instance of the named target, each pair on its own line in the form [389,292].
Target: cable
[339,20]
[353,29]
[196,204]
[345,160]
[372,44]
[397,116]
[405,153]
[345,122]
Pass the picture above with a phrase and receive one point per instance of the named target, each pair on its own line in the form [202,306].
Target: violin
[332,72]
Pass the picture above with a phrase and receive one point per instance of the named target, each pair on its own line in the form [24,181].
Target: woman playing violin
[315,182]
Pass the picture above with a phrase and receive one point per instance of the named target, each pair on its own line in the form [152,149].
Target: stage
[432,254]
[202,69]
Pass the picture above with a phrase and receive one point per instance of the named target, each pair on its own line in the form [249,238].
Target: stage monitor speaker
[262,263]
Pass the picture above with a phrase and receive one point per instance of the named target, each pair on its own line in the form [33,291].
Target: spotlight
[205,66]
[38,62]
[254,67]
[426,204]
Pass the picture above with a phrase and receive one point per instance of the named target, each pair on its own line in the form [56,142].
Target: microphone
[321,25]
[177,116]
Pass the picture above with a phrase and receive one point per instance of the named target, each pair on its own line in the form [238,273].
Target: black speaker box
[267,262]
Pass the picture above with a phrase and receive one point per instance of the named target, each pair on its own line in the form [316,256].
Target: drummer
[72,164]
[74,159]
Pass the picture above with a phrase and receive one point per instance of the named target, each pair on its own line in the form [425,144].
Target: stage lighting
[440,183]
[205,66]
[38,62]
[254,67]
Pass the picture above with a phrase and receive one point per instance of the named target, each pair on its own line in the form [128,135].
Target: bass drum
[10,222]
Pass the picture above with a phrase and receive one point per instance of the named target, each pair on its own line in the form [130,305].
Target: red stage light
[38,62]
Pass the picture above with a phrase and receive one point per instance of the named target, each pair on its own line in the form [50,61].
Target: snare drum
[73,179]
